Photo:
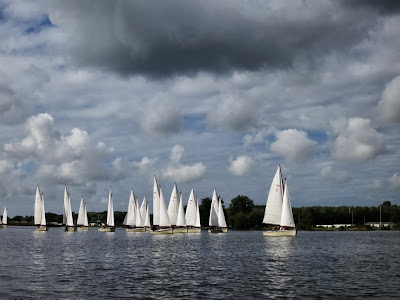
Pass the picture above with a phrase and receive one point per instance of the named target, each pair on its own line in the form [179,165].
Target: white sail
[38,207]
[131,214]
[180,220]
[221,215]
[197,217]
[147,218]
[164,219]
[43,214]
[85,219]
[68,210]
[5,216]
[82,213]
[173,205]
[287,214]
[156,203]
[213,219]
[139,221]
[143,208]
[273,207]
[190,209]
[110,210]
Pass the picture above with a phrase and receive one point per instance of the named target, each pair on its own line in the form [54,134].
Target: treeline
[243,214]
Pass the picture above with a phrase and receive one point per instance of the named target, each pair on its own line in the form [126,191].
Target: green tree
[240,204]
[204,209]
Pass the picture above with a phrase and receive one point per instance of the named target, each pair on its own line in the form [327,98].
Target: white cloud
[376,184]
[337,175]
[160,116]
[389,104]
[182,173]
[241,165]
[294,145]
[144,164]
[359,141]
[394,182]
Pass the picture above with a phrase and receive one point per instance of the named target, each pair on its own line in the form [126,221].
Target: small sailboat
[217,221]
[144,212]
[164,225]
[5,217]
[82,221]
[110,226]
[190,210]
[134,221]
[173,206]
[278,210]
[196,228]
[67,216]
[39,213]
[181,226]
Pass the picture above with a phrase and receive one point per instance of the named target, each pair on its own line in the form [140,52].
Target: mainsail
[213,220]
[190,209]
[273,207]
[173,205]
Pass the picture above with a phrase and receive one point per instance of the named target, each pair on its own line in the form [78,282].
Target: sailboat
[39,213]
[196,228]
[134,221]
[181,226]
[67,216]
[217,221]
[110,226]
[82,221]
[5,216]
[190,209]
[164,224]
[144,212]
[173,206]
[278,210]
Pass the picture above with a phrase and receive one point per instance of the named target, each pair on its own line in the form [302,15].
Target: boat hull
[280,232]
[194,230]
[180,230]
[162,231]
[43,228]
[107,229]
[218,230]
[82,228]
[70,228]
[141,229]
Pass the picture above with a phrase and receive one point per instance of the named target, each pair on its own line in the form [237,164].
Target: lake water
[236,265]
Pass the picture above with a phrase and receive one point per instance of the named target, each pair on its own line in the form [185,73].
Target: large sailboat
[278,210]
[110,226]
[39,213]
[5,217]
[196,228]
[180,226]
[217,221]
[82,221]
[67,216]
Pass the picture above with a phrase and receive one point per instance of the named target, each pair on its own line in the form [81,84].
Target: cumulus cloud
[160,117]
[182,173]
[394,182]
[329,172]
[145,163]
[359,141]
[72,158]
[389,104]
[241,165]
[163,38]
[294,145]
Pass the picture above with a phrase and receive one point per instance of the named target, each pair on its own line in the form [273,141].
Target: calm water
[236,265]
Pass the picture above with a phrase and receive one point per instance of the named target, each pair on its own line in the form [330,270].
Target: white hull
[280,232]
[141,229]
[107,229]
[82,228]
[180,230]
[218,230]
[70,228]
[194,230]
[162,231]
[42,228]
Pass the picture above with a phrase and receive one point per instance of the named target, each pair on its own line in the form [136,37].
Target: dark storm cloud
[381,6]
[160,38]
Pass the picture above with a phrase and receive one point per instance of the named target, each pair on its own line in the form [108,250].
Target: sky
[207,94]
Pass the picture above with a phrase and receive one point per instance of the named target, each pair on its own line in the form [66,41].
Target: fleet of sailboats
[278,210]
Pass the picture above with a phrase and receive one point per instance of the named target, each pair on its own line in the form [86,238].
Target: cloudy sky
[202,93]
